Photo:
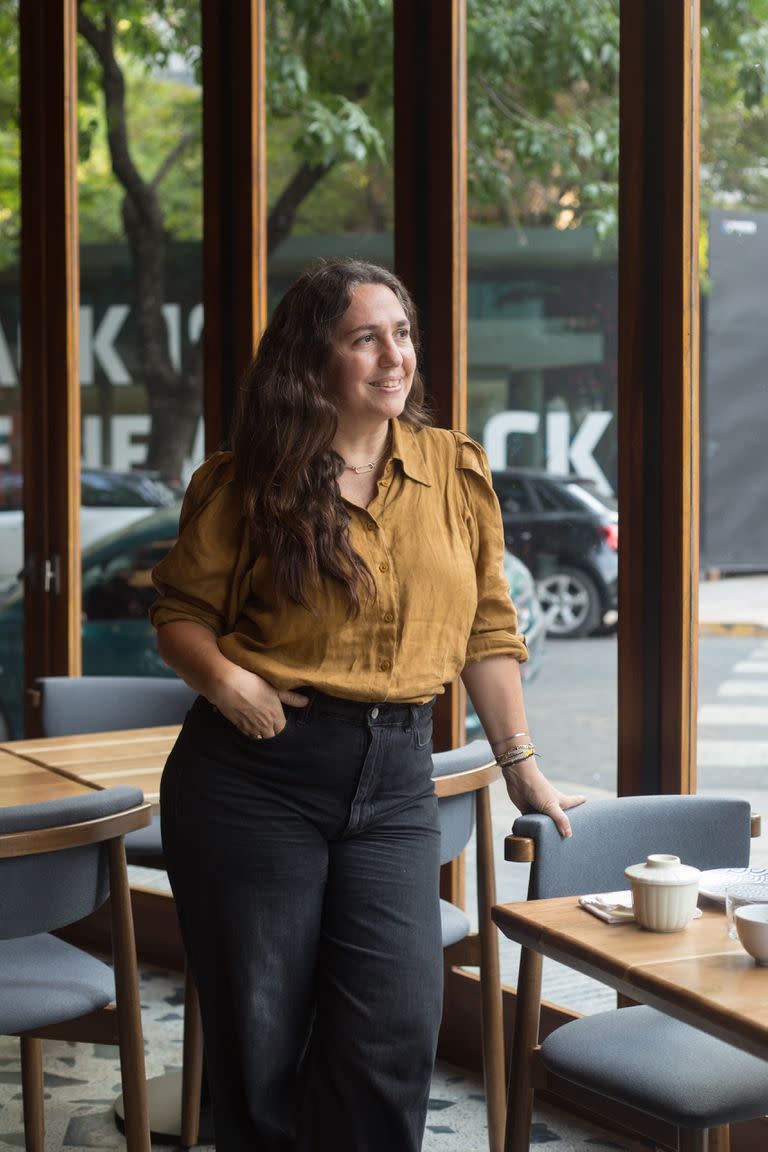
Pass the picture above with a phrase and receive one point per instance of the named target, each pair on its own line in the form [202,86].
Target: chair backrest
[609,835]
[457,813]
[73,704]
[44,888]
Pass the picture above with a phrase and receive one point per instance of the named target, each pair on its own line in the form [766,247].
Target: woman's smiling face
[370,370]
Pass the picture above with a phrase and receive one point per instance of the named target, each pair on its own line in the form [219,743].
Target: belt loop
[414,715]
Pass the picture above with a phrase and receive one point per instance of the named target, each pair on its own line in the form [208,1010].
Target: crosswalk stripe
[743,688]
[741,753]
[733,715]
[751,666]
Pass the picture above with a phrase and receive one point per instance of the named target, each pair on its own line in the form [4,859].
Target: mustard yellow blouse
[432,539]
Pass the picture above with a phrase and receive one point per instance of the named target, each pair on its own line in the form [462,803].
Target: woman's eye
[403,333]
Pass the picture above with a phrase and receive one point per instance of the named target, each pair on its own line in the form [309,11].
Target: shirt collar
[406,449]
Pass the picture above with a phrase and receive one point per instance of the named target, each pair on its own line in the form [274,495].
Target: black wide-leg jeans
[305,870]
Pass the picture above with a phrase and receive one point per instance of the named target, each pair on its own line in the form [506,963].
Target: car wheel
[571,602]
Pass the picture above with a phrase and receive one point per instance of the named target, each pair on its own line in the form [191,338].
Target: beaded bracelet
[516,755]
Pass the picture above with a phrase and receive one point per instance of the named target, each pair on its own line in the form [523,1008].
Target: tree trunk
[174,399]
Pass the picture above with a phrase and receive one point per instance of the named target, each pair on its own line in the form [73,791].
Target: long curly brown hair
[284,429]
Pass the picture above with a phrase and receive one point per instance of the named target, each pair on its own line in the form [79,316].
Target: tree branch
[283,214]
[101,40]
[175,154]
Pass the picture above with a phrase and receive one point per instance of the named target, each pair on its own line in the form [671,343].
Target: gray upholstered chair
[462,777]
[59,860]
[641,1059]
[73,704]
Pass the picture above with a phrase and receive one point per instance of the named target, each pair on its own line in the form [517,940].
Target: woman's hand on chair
[530,791]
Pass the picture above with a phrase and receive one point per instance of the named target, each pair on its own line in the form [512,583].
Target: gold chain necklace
[362,469]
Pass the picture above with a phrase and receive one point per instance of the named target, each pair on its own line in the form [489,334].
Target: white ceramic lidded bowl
[752,926]
[664,892]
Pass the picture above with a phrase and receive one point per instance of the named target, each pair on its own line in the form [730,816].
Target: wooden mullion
[431,220]
[49,340]
[234,202]
[658,419]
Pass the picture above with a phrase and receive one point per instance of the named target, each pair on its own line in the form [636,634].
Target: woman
[331,574]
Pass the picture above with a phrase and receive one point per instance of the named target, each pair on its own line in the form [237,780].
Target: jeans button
[374,713]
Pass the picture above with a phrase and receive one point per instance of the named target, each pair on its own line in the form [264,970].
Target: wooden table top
[698,975]
[24,782]
[97,759]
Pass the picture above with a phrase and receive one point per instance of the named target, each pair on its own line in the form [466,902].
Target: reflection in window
[732,737]
[329,135]
[542,389]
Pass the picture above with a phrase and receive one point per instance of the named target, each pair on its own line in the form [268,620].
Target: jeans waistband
[363,711]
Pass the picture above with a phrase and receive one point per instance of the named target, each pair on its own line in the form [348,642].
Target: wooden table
[699,975]
[54,766]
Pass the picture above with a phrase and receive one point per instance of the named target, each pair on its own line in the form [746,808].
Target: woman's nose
[390,353]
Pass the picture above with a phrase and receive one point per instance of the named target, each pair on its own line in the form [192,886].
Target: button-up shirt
[433,542]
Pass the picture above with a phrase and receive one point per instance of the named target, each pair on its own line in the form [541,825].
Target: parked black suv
[569,539]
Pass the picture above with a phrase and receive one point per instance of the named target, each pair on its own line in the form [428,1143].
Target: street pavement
[734,604]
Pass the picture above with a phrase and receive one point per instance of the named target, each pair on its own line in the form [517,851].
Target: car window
[514,496]
[585,497]
[10,492]
[112,490]
[549,497]
[120,588]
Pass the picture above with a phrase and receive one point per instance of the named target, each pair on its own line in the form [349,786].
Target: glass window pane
[542,388]
[329,136]
[732,744]
[140,192]
[11,464]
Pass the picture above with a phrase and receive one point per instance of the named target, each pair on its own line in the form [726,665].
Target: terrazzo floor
[82,1081]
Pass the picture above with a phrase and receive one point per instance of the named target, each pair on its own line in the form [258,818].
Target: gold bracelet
[504,739]
[516,755]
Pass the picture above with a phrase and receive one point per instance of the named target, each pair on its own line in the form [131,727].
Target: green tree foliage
[542,131]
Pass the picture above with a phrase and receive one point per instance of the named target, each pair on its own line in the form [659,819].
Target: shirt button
[388,617]
[385,665]
[384,483]
[370,526]
[383,567]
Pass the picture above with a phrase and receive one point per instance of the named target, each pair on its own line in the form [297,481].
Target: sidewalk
[734,605]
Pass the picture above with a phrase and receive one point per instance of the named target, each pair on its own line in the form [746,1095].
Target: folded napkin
[613,907]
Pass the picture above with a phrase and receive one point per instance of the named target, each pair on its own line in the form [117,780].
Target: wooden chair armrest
[519,849]
[33,841]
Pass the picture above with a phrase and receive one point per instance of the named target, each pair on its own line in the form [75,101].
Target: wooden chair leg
[192,1069]
[692,1140]
[127,1004]
[719,1139]
[490,977]
[526,1037]
[32,1093]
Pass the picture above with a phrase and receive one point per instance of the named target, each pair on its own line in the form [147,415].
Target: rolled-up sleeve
[494,629]
[201,577]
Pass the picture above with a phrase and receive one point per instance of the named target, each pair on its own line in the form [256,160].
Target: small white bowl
[752,926]
[664,892]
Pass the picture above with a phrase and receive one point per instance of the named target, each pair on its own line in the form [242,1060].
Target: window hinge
[51,575]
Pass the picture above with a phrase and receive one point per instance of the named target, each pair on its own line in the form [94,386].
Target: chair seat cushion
[456,925]
[145,844]
[643,1058]
[44,980]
